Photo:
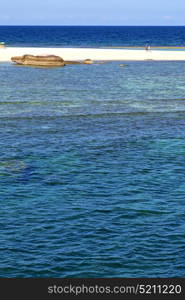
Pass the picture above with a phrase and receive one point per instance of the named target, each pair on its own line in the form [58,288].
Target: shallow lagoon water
[92,170]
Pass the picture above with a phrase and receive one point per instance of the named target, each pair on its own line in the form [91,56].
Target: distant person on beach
[2,45]
[147,47]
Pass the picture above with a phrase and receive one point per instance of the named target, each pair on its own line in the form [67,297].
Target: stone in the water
[46,60]
[88,61]
[38,60]
[72,62]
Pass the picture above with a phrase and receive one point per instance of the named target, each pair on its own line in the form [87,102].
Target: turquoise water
[92,177]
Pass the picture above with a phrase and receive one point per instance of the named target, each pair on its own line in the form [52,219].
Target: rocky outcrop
[32,60]
[72,62]
[88,61]
[46,61]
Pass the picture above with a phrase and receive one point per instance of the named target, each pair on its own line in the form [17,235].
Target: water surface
[92,170]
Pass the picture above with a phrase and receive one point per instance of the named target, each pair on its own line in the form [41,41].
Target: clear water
[92,171]
[92,176]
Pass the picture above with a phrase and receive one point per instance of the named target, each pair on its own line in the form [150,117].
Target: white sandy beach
[94,54]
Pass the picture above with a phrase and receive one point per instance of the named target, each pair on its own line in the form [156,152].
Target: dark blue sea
[92,36]
[92,159]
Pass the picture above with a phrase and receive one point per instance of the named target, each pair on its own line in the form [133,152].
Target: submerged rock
[12,165]
[36,60]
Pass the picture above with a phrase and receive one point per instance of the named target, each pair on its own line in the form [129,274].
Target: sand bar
[94,54]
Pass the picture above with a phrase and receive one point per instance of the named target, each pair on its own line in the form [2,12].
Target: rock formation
[46,60]
[72,62]
[32,60]
[88,61]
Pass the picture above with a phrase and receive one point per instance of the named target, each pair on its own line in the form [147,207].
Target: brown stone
[72,62]
[32,60]
[88,61]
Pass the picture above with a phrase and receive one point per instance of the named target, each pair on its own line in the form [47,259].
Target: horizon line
[45,25]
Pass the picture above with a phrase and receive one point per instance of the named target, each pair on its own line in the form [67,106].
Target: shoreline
[96,54]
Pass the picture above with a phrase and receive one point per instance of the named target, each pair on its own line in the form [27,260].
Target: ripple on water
[92,179]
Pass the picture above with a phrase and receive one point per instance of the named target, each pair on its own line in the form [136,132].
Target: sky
[92,12]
